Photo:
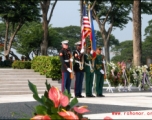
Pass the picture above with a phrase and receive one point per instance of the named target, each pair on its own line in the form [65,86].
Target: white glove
[103,62]
[71,60]
[91,52]
[82,51]
[68,69]
[102,72]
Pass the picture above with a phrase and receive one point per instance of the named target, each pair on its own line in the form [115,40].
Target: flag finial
[89,6]
[84,2]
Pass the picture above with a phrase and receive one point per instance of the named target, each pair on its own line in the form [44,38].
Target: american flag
[85,29]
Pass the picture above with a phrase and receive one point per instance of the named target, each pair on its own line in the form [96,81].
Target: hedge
[47,65]
[21,64]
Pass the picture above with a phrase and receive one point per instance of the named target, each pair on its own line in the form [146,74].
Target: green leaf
[41,110]
[56,117]
[67,94]
[54,110]
[73,102]
[32,88]
[37,98]
[44,99]
[48,86]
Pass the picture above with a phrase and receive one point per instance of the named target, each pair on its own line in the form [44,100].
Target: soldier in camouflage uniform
[99,72]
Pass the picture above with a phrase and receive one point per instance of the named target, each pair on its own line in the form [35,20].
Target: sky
[67,13]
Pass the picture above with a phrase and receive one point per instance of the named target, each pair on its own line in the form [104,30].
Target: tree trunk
[6,39]
[8,45]
[45,9]
[44,44]
[106,48]
[105,36]
[137,32]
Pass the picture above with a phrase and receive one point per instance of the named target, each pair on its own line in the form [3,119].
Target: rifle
[71,67]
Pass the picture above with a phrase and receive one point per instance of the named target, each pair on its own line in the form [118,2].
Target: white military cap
[78,43]
[65,42]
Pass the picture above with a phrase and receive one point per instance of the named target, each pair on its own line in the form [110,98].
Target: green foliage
[19,11]
[28,38]
[47,65]
[119,14]
[71,33]
[21,65]
[124,50]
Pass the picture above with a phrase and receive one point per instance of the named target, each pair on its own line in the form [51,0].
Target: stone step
[15,81]
[20,89]
[26,85]
[16,78]
[14,70]
[20,73]
[24,82]
[21,76]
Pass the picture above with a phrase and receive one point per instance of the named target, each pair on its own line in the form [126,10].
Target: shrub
[21,64]
[47,65]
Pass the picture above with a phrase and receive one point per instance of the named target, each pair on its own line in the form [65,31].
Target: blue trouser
[66,81]
[78,83]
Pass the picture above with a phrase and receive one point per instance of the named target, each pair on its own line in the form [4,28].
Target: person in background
[22,58]
[99,72]
[79,70]
[1,62]
[11,60]
[65,66]
[128,64]
[7,62]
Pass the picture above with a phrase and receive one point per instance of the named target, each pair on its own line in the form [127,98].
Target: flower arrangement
[139,76]
[114,74]
[56,105]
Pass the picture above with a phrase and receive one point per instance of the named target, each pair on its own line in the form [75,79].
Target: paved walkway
[129,105]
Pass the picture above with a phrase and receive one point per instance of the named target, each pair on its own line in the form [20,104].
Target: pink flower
[68,115]
[64,100]
[57,97]
[81,109]
[41,117]
[54,95]
[107,118]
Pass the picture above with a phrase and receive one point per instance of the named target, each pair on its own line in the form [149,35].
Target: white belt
[77,61]
[87,64]
[66,60]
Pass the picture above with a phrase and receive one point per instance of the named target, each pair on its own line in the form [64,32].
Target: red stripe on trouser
[62,85]
[75,83]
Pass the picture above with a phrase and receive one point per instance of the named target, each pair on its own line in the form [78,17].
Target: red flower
[41,117]
[107,118]
[64,100]
[57,97]
[54,95]
[81,109]
[68,115]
